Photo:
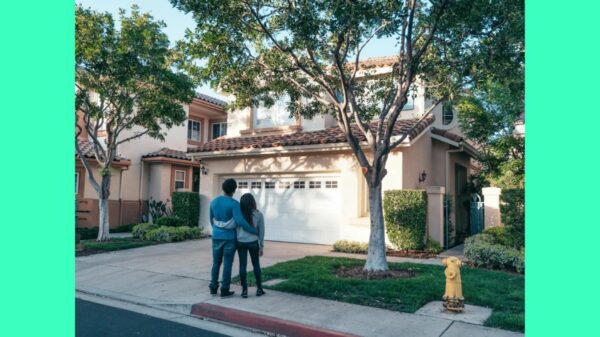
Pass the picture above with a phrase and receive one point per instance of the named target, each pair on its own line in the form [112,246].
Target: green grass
[315,276]
[115,244]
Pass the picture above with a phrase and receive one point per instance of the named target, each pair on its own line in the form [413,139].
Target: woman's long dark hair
[247,205]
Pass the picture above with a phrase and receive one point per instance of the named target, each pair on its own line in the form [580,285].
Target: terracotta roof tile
[169,153]
[87,147]
[210,99]
[327,136]
[447,134]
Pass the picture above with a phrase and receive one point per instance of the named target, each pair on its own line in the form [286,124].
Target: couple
[235,225]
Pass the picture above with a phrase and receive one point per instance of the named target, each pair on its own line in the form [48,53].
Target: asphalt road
[96,320]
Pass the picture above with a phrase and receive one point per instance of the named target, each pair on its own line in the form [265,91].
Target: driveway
[174,274]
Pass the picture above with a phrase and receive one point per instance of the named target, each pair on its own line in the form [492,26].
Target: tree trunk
[376,258]
[103,222]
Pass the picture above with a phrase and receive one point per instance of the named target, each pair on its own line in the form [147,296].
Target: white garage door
[297,209]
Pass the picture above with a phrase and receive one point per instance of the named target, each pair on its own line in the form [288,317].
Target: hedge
[170,221]
[405,213]
[512,209]
[345,246]
[483,250]
[153,232]
[186,205]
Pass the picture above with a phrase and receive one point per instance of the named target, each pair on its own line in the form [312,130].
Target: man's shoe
[226,292]
[213,291]
[260,292]
[245,293]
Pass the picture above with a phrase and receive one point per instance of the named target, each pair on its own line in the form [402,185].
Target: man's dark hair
[229,186]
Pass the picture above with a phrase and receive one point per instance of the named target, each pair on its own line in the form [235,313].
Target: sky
[177,22]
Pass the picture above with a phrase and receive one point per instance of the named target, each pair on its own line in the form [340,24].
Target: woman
[250,243]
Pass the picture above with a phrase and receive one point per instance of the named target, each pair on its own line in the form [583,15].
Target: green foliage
[154,232]
[483,250]
[158,209]
[123,228]
[433,246]
[172,234]
[87,233]
[315,276]
[186,206]
[115,244]
[345,246]
[170,221]
[406,218]
[512,209]
[140,230]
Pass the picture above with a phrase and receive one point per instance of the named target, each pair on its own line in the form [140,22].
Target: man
[225,209]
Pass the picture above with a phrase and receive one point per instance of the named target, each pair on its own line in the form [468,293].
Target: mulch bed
[358,273]
[86,252]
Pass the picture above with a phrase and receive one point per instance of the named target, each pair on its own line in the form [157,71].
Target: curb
[262,322]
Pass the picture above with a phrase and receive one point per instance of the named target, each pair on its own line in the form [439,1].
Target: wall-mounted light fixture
[203,169]
[422,176]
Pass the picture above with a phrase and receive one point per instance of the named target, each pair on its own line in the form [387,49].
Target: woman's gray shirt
[259,222]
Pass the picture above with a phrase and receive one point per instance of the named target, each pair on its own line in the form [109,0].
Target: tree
[125,80]
[311,51]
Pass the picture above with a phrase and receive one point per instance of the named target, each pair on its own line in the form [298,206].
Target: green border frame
[36,137]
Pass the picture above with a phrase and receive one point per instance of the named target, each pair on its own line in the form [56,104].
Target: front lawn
[315,276]
[93,246]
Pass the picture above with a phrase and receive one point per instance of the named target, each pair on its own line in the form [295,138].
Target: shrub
[513,215]
[139,231]
[169,221]
[405,218]
[172,234]
[123,228]
[499,235]
[433,246]
[345,246]
[87,233]
[482,250]
[157,209]
[186,205]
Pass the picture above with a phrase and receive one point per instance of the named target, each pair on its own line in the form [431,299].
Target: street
[96,320]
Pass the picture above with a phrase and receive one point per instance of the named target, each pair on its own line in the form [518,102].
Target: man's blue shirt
[223,208]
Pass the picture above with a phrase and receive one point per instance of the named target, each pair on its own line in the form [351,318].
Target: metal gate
[476,214]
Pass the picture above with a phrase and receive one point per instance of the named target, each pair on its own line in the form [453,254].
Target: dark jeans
[253,248]
[223,251]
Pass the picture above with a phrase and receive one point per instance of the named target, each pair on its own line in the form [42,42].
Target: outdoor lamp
[422,176]
[203,169]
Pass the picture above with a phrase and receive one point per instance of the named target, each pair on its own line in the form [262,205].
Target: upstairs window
[219,129]
[193,130]
[447,113]
[275,116]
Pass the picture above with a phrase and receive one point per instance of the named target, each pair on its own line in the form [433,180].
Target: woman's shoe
[260,292]
[245,293]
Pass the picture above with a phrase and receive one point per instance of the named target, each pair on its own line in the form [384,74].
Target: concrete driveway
[174,274]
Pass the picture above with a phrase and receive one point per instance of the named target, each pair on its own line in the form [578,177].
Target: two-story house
[150,169]
[306,179]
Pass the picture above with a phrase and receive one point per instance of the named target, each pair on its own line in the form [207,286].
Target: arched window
[447,113]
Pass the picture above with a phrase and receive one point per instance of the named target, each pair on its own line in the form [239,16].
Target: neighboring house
[153,169]
[306,179]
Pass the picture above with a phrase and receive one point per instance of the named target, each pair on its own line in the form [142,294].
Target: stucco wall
[417,158]
[90,193]
[159,185]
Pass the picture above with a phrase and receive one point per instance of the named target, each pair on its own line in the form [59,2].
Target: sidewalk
[166,277]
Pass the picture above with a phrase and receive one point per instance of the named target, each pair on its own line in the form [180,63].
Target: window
[299,184]
[196,179]
[256,184]
[285,184]
[274,116]
[447,113]
[331,184]
[243,184]
[194,130]
[179,179]
[270,184]
[219,129]
[314,184]
[76,182]
[410,101]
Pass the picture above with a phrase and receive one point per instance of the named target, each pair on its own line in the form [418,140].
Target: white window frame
[256,185]
[191,134]
[243,184]
[299,184]
[270,184]
[176,180]
[446,106]
[275,116]
[221,125]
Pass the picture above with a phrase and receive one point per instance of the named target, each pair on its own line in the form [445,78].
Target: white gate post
[491,200]
[435,213]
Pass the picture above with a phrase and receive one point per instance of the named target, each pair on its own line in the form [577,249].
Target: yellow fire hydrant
[453,297]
